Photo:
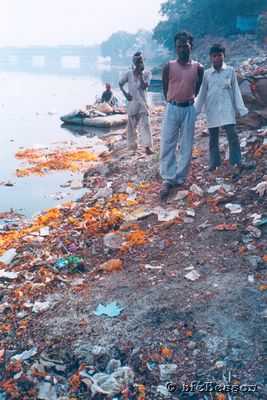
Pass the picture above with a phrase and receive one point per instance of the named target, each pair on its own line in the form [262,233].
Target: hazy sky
[52,22]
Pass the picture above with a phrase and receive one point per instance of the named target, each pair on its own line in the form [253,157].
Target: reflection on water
[89,131]
[71,62]
[12,60]
[34,93]
[38,61]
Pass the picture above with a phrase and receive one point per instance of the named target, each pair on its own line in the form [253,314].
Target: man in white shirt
[222,98]
[137,107]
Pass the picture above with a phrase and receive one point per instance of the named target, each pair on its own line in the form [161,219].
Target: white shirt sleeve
[239,103]
[201,98]
[124,79]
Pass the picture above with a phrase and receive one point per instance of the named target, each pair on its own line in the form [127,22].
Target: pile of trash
[252,80]
[49,257]
[91,111]
[72,248]
[99,110]
[254,67]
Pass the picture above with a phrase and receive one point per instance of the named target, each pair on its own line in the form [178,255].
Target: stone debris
[75,185]
[93,300]
[234,208]
[192,275]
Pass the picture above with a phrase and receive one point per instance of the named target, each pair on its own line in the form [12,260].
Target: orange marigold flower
[165,352]
[134,238]
[140,388]
[141,396]
[220,396]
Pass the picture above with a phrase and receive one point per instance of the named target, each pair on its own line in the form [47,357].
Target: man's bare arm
[200,70]
[165,79]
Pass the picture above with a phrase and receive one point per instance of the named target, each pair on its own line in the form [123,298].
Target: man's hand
[140,68]
[143,83]
[128,96]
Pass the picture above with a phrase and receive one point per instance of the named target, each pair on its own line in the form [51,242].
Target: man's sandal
[165,190]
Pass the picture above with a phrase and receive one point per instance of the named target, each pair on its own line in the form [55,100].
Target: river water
[32,99]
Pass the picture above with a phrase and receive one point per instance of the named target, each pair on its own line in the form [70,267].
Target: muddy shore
[171,327]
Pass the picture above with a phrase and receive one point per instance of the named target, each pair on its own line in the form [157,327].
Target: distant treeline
[210,17]
[201,17]
[121,46]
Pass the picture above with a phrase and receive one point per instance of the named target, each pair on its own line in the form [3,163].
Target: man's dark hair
[217,48]
[184,35]
[138,54]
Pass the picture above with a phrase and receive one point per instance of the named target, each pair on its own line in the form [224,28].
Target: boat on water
[107,121]
[98,115]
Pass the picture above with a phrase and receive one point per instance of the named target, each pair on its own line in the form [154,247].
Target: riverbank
[187,277]
[238,49]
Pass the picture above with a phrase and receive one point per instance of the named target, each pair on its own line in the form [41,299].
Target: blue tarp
[247,24]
